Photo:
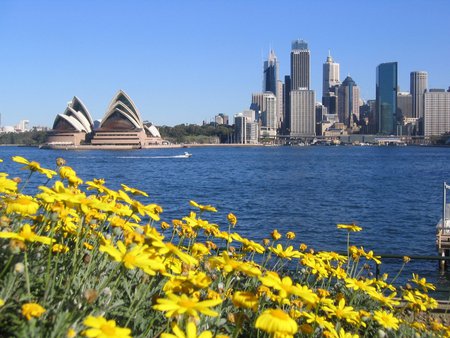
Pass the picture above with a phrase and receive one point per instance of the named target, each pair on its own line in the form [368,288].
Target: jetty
[443,230]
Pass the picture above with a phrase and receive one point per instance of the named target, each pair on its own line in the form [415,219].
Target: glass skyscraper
[300,56]
[386,98]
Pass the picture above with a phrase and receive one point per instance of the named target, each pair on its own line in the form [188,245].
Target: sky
[187,61]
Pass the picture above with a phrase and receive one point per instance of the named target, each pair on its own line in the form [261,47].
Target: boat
[443,228]
[185,155]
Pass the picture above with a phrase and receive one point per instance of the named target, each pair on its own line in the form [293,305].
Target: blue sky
[186,61]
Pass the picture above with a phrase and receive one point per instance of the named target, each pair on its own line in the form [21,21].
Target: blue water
[393,193]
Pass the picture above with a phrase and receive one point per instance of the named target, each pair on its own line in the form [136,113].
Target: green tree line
[190,133]
[25,138]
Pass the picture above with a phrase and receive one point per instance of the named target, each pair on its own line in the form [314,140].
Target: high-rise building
[266,104]
[386,97]
[271,73]
[303,113]
[280,104]
[348,99]
[419,85]
[300,65]
[287,105]
[404,105]
[436,112]
[246,128]
[330,75]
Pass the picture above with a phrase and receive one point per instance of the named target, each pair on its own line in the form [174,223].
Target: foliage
[188,133]
[79,258]
[25,138]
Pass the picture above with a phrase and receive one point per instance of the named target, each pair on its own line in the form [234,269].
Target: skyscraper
[418,84]
[330,75]
[271,73]
[386,97]
[300,56]
[436,112]
[303,113]
[348,99]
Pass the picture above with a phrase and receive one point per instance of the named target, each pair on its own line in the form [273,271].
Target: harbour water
[393,193]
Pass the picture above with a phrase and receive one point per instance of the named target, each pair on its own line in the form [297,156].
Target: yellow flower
[2,302]
[227,264]
[232,219]
[276,321]
[6,185]
[134,191]
[32,310]
[203,207]
[179,305]
[422,282]
[349,227]
[61,248]
[276,235]
[101,328]
[290,235]
[387,320]
[26,234]
[135,257]
[286,288]
[342,312]
[245,299]
[24,205]
[71,333]
[33,166]
[288,253]
[319,320]
[191,332]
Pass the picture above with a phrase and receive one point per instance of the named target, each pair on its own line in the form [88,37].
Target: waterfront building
[280,104]
[404,105]
[303,113]
[246,128]
[271,67]
[121,126]
[287,105]
[436,112]
[386,98]
[266,104]
[348,99]
[418,86]
[72,126]
[300,65]
[330,77]
[321,111]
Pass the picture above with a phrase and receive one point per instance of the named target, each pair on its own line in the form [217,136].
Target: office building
[348,99]
[436,112]
[404,105]
[266,104]
[300,65]
[330,77]
[246,128]
[271,67]
[418,86]
[287,106]
[303,113]
[280,104]
[386,97]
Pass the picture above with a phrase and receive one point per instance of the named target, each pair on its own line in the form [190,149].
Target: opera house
[121,127]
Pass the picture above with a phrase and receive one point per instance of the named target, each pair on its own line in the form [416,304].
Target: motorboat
[185,155]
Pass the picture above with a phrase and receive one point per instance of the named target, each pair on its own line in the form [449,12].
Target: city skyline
[207,57]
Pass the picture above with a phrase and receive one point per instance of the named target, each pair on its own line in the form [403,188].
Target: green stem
[6,266]
[27,276]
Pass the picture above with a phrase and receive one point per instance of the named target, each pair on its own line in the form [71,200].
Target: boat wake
[185,155]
